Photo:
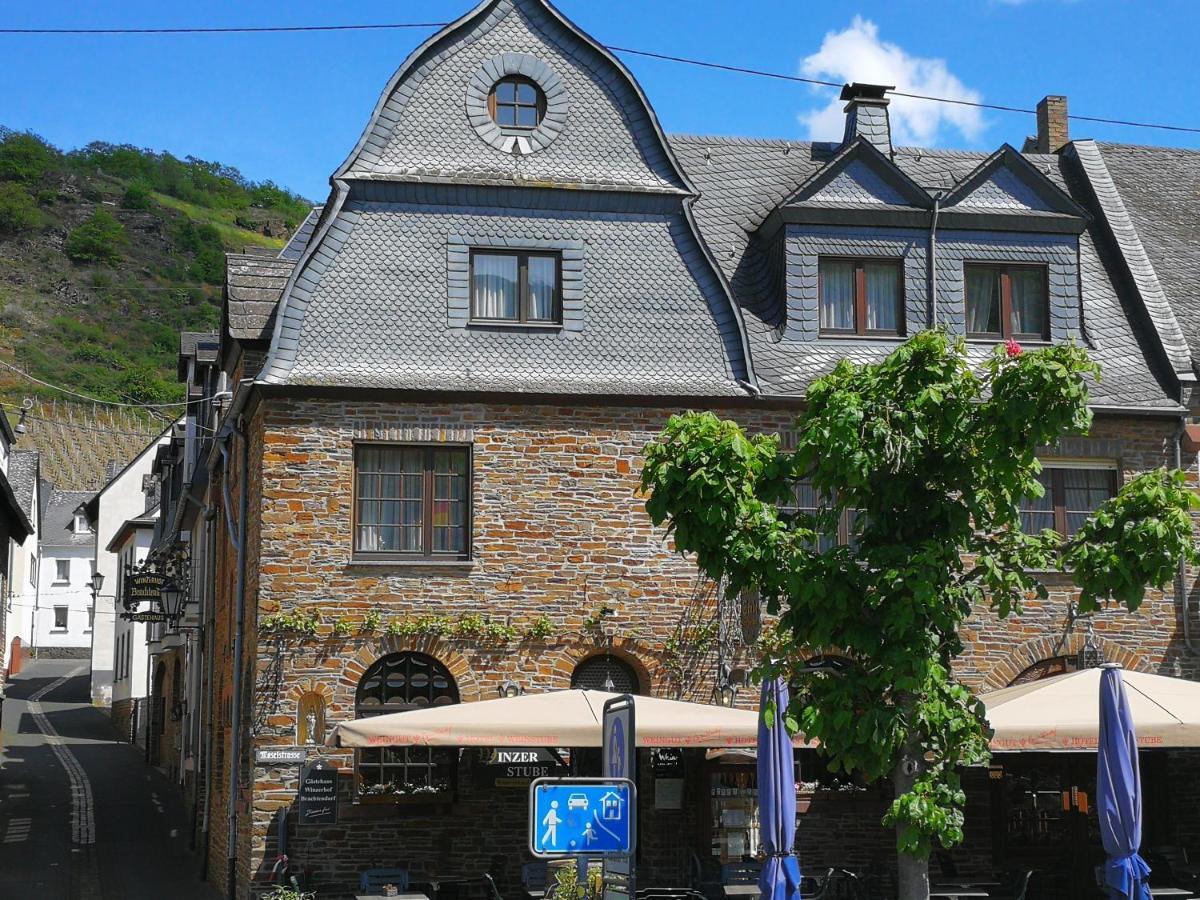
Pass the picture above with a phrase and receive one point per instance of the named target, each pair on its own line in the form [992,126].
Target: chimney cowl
[867,115]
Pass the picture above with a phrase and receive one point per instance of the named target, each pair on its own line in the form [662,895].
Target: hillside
[108,252]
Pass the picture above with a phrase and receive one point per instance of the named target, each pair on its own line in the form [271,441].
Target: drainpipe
[236,725]
[933,222]
[1184,600]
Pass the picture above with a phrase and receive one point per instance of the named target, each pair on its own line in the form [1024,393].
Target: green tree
[935,457]
[24,156]
[18,212]
[136,196]
[99,239]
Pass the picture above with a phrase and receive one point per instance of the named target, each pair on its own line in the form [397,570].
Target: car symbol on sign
[577,801]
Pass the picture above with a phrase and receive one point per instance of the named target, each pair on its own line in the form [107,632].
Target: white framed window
[62,571]
[81,523]
[91,618]
[33,570]
[60,618]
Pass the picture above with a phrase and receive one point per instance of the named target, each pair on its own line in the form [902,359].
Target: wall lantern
[173,600]
[510,689]
[97,584]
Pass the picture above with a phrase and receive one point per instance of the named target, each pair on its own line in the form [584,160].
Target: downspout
[239,627]
[933,223]
[1184,600]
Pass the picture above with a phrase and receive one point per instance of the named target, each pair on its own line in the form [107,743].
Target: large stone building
[427,416]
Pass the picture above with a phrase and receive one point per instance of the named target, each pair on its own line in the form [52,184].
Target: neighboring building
[24,471]
[122,499]
[129,663]
[442,387]
[16,526]
[64,613]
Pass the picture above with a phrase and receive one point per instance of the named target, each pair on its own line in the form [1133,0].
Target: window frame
[524,300]
[1006,333]
[1058,489]
[538,106]
[59,577]
[860,296]
[426,555]
[66,616]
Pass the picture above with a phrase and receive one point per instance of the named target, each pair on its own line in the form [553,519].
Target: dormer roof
[1007,184]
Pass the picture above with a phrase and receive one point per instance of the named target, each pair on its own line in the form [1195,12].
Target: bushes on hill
[18,212]
[99,239]
[136,196]
[25,157]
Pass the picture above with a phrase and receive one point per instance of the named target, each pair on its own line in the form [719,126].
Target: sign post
[618,759]
[582,817]
[316,801]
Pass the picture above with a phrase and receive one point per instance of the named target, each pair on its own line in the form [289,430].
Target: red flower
[1012,348]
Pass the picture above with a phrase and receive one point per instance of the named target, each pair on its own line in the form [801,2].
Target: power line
[683,60]
[64,390]
[77,427]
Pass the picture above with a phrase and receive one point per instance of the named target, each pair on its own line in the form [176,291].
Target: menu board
[317,798]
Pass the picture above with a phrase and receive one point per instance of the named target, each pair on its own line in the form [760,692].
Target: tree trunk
[912,871]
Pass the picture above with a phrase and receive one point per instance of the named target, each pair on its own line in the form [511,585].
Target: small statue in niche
[311,724]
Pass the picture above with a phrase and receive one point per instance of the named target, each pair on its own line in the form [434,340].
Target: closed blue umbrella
[1119,792]
[780,878]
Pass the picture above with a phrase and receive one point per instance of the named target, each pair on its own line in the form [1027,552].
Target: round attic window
[516,102]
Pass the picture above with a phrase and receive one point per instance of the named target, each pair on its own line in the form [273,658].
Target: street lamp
[97,584]
[173,600]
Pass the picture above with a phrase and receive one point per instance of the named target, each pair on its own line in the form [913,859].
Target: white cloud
[858,54]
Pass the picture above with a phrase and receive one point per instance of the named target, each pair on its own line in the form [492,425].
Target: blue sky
[290,106]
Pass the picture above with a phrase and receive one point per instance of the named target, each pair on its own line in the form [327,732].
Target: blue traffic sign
[582,816]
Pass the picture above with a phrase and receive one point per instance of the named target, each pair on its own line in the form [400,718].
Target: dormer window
[81,524]
[516,288]
[1007,302]
[516,102]
[860,296]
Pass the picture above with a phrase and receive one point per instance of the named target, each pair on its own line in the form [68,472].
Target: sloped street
[82,817]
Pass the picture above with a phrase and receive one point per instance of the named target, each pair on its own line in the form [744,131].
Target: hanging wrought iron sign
[143,586]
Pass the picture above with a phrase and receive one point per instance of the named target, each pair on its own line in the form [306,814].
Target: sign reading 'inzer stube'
[317,798]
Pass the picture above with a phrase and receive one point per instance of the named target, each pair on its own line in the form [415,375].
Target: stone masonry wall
[557,530]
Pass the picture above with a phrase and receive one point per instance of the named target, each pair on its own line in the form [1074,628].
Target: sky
[289,107]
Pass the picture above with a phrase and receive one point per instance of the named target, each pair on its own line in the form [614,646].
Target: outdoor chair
[1015,887]
[372,881]
[1169,865]
[533,879]
[837,884]
[741,873]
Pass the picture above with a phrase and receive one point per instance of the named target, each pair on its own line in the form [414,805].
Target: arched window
[1047,668]
[605,673]
[395,683]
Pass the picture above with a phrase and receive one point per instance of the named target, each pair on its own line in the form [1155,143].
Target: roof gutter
[933,224]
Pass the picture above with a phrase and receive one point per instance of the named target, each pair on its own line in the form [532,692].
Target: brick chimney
[1052,124]
[867,115]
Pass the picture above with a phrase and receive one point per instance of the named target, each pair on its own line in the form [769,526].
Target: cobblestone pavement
[82,816]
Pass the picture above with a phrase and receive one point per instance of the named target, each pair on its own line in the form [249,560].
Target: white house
[24,474]
[122,499]
[129,664]
[63,614]
[15,529]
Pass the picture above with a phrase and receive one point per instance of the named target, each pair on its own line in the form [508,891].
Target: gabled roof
[1159,191]
[1007,182]
[59,517]
[299,240]
[143,522]
[888,185]
[201,345]
[253,286]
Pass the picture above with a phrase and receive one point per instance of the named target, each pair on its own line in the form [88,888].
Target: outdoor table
[742,890]
[403,895]
[1169,892]
[954,893]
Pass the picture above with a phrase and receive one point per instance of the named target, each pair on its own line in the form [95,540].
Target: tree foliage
[931,458]
[18,211]
[98,239]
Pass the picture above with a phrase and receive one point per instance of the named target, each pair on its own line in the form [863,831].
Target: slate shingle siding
[858,183]
[373,310]
[606,138]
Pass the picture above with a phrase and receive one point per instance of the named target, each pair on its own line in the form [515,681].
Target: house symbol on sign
[610,803]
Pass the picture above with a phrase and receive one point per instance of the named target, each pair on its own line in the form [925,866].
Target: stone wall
[558,530]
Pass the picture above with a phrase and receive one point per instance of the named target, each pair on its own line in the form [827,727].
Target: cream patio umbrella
[1063,713]
[570,718]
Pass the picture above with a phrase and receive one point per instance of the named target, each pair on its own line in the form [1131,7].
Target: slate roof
[58,516]
[1160,187]
[298,241]
[741,180]
[23,473]
[253,285]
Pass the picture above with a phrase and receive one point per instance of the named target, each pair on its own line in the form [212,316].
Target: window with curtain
[396,683]
[412,501]
[1072,494]
[860,296]
[809,501]
[1007,302]
[515,287]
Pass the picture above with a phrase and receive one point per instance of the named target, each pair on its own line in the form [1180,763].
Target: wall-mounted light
[510,689]
[26,406]
[97,584]
[173,600]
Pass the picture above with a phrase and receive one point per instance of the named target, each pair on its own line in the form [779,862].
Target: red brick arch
[645,663]
[1038,649]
